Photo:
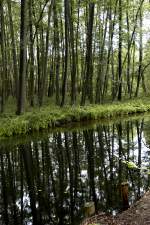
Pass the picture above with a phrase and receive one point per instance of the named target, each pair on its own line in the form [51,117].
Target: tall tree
[31,79]
[57,52]
[87,79]
[140,54]
[128,52]
[100,78]
[73,58]
[3,58]
[120,53]
[23,51]
[14,52]
[64,82]
[45,63]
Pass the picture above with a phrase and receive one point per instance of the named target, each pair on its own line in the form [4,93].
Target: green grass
[52,116]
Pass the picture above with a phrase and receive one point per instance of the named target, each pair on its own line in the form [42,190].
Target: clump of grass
[48,117]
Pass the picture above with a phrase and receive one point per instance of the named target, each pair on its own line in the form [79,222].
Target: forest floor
[51,116]
[137,214]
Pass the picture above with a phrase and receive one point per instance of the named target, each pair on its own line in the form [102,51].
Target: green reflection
[48,180]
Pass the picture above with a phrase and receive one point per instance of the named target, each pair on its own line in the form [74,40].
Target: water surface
[46,181]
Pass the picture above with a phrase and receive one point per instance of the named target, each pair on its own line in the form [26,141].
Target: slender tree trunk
[52,72]
[73,55]
[31,79]
[113,86]
[87,82]
[77,52]
[64,82]
[38,66]
[140,55]
[57,53]
[42,92]
[120,53]
[100,78]
[3,70]
[14,52]
[128,54]
[23,49]
[133,68]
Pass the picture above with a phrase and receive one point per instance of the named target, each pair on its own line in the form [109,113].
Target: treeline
[72,50]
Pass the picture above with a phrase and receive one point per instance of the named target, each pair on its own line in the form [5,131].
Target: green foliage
[130,165]
[49,117]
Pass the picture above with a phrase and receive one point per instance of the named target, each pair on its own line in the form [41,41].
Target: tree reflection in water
[49,180]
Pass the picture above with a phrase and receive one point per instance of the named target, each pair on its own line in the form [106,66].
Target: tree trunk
[23,49]
[64,83]
[73,57]
[128,53]
[57,53]
[3,55]
[120,53]
[14,53]
[87,80]
[140,55]
[31,79]
[42,92]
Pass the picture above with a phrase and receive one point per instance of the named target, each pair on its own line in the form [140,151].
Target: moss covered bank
[48,117]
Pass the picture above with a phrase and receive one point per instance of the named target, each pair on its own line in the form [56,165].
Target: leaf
[132,165]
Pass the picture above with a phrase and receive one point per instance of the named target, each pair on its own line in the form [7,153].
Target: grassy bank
[49,117]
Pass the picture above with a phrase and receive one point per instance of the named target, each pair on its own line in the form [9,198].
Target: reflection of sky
[144,151]
[134,152]
[26,207]
[104,176]
[26,202]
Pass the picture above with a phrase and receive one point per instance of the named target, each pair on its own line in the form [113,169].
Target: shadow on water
[47,181]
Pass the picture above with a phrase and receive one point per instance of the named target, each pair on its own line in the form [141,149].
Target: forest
[74,103]
[73,51]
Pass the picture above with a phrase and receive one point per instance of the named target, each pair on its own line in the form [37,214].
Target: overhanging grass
[48,117]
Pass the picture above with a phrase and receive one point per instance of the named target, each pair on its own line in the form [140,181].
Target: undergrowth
[48,117]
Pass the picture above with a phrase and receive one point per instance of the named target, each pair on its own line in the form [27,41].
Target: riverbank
[50,117]
[137,214]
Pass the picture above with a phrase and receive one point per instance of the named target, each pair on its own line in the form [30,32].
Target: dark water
[48,180]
